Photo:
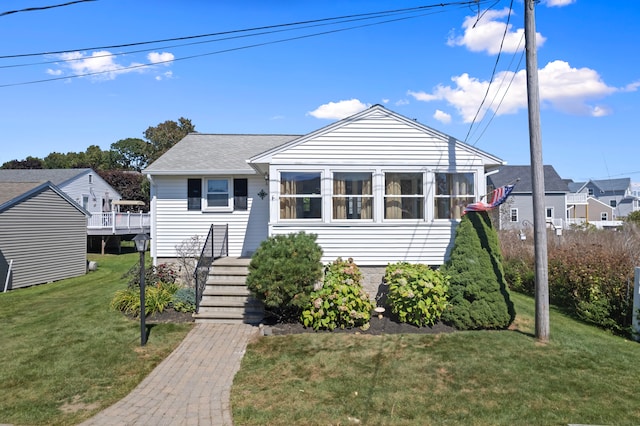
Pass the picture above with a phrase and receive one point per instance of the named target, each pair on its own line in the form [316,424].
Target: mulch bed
[377,326]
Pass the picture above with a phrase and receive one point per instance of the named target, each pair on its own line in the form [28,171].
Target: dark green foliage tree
[165,135]
[129,184]
[131,153]
[283,272]
[28,163]
[478,293]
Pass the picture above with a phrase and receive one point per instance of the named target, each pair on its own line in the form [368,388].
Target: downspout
[6,282]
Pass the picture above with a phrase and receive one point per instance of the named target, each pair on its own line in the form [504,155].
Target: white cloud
[104,65]
[485,34]
[561,87]
[558,3]
[402,102]
[338,110]
[442,116]
[164,58]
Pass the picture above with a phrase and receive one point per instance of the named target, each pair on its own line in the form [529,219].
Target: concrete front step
[226,298]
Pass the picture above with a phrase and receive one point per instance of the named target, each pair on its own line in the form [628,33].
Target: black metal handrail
[215,246]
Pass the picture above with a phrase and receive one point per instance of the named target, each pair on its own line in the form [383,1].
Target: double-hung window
[403,196]
[352,195]
[300,195]
[454,191]
[217,195]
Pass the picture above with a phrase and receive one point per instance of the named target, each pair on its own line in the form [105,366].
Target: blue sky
[433,65]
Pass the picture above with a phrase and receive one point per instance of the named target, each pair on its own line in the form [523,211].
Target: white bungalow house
[376,186]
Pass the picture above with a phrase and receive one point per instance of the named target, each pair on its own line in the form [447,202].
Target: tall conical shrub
[478,294]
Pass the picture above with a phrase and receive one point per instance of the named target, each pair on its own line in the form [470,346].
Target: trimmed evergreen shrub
[283,272]
[478,293]
[417,293]
[341,302]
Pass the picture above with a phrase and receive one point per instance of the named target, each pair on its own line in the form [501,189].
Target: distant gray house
[43,235]
[84,186]
[517,211]
[617,193]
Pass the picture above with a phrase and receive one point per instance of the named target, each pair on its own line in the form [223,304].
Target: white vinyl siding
[172,223]
[374,245]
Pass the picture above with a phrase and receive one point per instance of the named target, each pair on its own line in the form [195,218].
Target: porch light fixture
[142,243]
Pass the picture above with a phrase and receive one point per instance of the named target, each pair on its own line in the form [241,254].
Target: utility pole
[537,176]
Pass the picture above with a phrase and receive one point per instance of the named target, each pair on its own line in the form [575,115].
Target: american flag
[498,196]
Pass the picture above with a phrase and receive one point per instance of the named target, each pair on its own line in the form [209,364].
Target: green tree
[131,153]
[28,163]
[165,135]
[129,184]
[633,217]
[478,293]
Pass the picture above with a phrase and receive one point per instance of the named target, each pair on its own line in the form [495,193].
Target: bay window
[454,191]
[404,196]
[352,196]
[300,195]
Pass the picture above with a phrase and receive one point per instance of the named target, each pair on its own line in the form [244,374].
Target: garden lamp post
[142,242]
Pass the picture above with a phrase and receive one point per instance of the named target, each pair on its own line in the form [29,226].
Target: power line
[34,9]
[493,73]
[139,66]
[233,37]
[116,46]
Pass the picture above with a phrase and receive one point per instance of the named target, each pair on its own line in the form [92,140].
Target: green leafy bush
[341,302]
[478,293]
[283,272]
[184,300]
[417,294]
[156,299]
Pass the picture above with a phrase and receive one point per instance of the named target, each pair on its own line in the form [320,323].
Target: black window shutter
[240,194]
[194,194]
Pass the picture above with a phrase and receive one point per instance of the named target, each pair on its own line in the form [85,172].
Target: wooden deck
[113,227]
[113,223]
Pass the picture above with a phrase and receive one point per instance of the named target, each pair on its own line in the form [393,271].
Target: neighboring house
[43,235]
[517,211]
[84,186]
[377,187]
[617,193]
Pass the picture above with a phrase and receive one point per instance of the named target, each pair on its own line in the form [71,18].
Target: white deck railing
[579,198]
[119,221]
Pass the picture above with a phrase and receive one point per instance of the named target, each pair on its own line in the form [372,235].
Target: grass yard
[65,355]
[584,375]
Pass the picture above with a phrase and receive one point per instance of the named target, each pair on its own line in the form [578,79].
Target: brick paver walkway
[191,386]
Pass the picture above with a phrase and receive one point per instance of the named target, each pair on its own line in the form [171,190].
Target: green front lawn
[65,355]
[584,375]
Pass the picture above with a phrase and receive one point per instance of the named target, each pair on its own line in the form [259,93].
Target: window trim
[205,193]
[604,216]
[372,196]
[423,196]
[511,211]
[473,197]
[320,196]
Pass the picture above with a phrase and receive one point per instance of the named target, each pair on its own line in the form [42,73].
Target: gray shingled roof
[55,176]
[509,174]
[201,153]
[612,185]
[11,190]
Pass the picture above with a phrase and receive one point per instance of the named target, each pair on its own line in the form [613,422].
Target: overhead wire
[493,72]
[138,66]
